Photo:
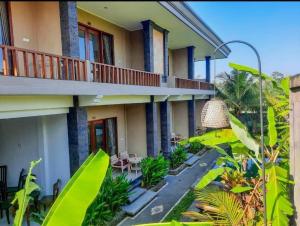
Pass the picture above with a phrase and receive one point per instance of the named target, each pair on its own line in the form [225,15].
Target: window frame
[87,30]
[92,138]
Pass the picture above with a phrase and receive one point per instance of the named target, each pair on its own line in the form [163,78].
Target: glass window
[94,47]
[100,136]
[107,41]
[82,49]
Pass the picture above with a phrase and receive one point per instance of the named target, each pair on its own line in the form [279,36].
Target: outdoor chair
[48,200]
[3,174]
[119,163]
[5,203]
[12,190]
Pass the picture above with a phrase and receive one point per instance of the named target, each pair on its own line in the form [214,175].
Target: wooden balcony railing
[192,84]
[29,63]
[34,64]
[104,73]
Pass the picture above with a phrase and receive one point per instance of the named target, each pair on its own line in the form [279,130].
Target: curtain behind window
[111,136]
[107,49]
[4,23]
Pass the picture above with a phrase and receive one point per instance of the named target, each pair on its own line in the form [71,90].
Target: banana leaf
[23,196]
[71,205]
[175,223]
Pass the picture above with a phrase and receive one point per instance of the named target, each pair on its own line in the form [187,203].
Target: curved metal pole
[261,117]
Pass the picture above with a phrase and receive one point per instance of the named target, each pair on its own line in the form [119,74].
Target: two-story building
[77,76]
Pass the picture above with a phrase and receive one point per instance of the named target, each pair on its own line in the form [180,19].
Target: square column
[77,135]
[165,124]
[166,55]
[77,116]
[190,58]
[148,45]
[207,68]
[191,117]
[151,128]
[69,28]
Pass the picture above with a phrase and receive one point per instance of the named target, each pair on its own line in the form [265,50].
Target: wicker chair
[119,163]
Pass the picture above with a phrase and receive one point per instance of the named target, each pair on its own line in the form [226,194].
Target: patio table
[134,163]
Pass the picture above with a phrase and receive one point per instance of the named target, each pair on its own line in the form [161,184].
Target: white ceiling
[129,15]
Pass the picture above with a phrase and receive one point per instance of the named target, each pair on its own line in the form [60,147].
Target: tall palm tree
[239,90]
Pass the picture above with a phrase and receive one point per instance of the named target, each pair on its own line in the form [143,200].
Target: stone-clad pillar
[77,135]
[166,55]
[207,68]
[190,59]
[69,28]
[77,116]
[191,117]
[148,45]
[165,124]
[151,128]
[191,103]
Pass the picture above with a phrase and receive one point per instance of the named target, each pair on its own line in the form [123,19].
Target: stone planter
[158,186]
[202,151]
[177,170]
[117,218]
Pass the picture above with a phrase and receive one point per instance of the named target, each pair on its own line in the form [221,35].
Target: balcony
[192,84]
[19,62]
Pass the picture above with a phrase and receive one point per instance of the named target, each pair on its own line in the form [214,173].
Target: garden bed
[177,170]
[117,218]
[158,186]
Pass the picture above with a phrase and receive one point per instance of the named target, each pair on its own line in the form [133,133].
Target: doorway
[103,134]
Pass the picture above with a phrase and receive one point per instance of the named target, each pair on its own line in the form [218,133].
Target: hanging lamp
[214,113]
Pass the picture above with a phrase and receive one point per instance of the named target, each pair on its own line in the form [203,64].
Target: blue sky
[272,27]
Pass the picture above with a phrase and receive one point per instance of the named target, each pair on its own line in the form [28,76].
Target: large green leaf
[240,189]
[272,132]
[279,206]
[71,205]
[215,137]
[211,176]
[250,70]
[285,85]
[243,135]
[175,223]
[23,196]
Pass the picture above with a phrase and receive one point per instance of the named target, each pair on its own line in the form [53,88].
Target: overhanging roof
[185,27]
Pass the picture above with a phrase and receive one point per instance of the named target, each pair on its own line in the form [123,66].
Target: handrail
[20,62]
[105,73]
[192,84]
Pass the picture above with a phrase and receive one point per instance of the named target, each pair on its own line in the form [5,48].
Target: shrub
[178,156]
[113,194]
[154,170]
[195,147]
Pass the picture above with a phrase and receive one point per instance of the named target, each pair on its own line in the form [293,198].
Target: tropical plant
[239,91]
[112,195]
[153,170]
[235,172]
[178,156]
[71,204]
[195,147]
[23,197]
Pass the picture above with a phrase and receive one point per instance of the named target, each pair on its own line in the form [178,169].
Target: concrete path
[169,195]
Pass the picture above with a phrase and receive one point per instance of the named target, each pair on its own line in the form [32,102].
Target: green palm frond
[221,207]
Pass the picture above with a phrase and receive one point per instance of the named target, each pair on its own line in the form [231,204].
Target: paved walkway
[174,189]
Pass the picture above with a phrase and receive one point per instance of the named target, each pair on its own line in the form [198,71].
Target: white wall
[56,150]
[25,139]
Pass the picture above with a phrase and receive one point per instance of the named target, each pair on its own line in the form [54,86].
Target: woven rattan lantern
[214,114]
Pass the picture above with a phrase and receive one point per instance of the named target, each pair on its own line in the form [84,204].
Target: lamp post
[220,120]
